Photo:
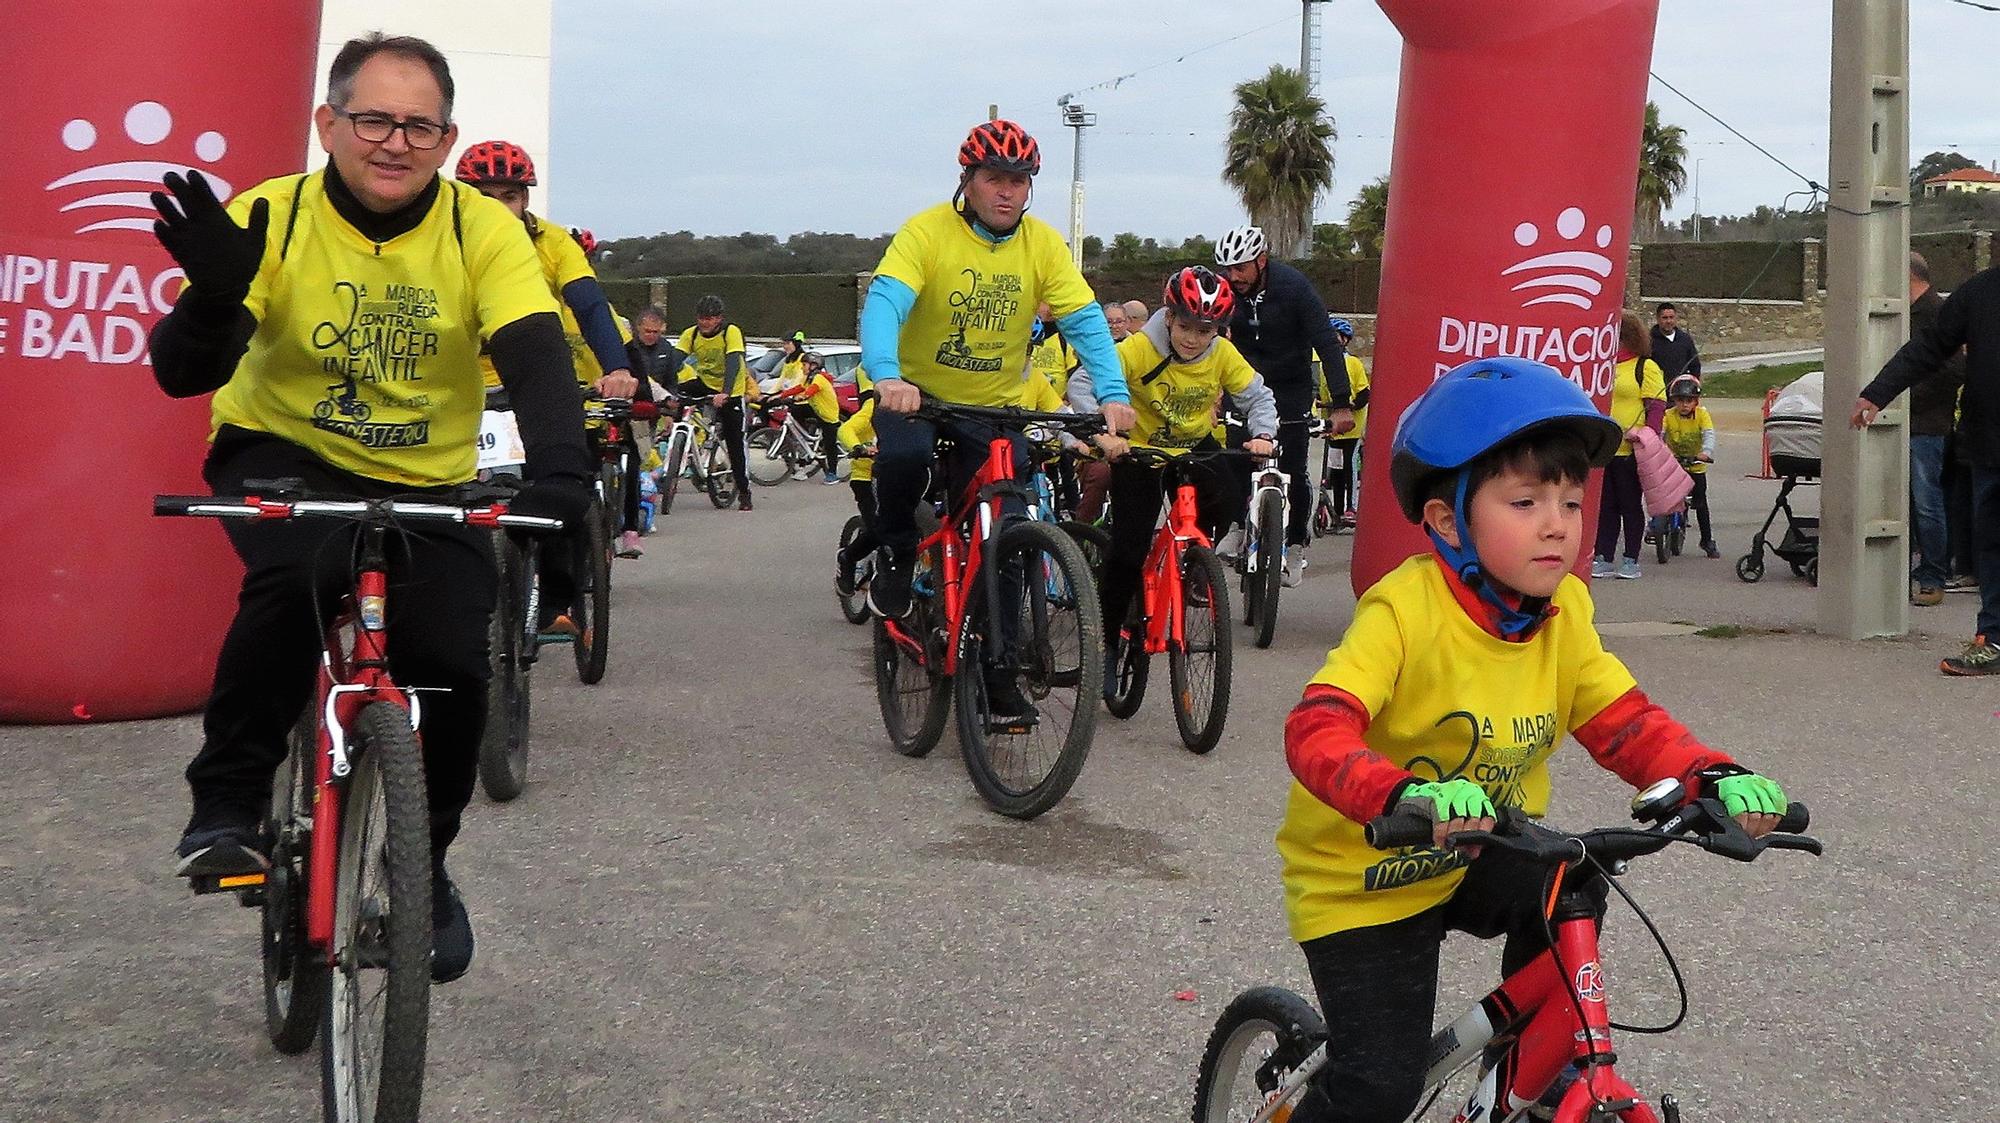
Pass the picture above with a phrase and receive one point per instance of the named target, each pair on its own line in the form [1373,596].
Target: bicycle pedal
[556,637]
[1015,726]
[228,883]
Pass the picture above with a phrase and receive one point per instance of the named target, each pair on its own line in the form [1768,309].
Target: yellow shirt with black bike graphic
[1683,435]
[708,358]
[562,261]
[1175,409]
[368,354]
[1446,699]
[966,340]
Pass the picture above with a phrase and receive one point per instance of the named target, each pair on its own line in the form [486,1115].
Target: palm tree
[1280,155]
[1662,169]
[1368,218]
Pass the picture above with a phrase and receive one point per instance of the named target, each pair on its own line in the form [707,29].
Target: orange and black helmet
[1000,145]
[496,161]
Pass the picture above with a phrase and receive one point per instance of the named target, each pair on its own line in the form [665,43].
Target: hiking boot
[451,929]
[628,545]
[1628,570]
[1926,596]
[843,573]
[889,590]
[221,848]
[1979,658]
[1600,569]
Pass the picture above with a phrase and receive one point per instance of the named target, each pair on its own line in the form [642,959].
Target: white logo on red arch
[1574,270]
[145,125]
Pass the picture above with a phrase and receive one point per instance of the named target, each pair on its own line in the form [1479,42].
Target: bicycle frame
[1160,580]
[962,558]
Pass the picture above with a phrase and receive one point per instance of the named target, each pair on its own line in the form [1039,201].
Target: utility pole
[1076,118]
[1309,63]
[1697,199]
[1864,549]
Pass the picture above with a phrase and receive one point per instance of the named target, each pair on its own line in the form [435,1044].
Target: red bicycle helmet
[1196,291]
[585,239]
[1000,145]
[496,161]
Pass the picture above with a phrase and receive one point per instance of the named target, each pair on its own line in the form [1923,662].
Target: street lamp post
[1076,118]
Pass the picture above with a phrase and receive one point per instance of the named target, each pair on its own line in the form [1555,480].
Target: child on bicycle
[857,436]
[1347,473]
[820,416]
[1177,367]
[1690,432]
[1461,671]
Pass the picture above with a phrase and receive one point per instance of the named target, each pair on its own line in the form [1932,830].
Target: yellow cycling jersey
[856,432]
[367,353]
[821,397]
[966,339]
[1357,381]
[1685,435]
[1175,402]
[708,358]
[1055,359]
[562,261]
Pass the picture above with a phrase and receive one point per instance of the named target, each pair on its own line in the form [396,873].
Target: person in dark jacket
[1280,323]
[654,356]
[1969,318]
[1933,409]
[1673,346]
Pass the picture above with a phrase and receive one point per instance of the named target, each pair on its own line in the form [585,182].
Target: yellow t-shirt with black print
[1055,359]
[562,261]
[1629,394]
[708,358]
[966,340]
[368,354]
[1683,435]
[1445,699]
[855,432]
[821,397]
[1176,409]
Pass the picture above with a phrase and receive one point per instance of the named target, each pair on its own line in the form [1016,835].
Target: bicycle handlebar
[471,504]
[1159,458]
[1075,424]
[1703,822]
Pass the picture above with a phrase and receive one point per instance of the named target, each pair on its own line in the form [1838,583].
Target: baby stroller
[1794,430]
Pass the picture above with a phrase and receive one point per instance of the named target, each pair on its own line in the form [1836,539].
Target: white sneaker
[1295,568]
[1231,544]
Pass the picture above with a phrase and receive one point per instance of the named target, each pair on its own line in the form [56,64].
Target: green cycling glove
[1743,791]
[1449,799]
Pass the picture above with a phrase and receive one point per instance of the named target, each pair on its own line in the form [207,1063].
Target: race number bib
[500,440]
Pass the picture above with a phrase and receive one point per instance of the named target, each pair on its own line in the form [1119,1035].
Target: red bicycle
[1013,599]
[347,899]
[1182,611]
[1548,1021]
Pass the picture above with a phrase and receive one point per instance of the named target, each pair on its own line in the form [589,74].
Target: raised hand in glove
[219,257]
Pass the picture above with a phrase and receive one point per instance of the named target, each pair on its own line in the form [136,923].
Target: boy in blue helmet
[1461,671]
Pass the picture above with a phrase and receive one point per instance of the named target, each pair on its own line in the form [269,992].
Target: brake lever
[1806,843]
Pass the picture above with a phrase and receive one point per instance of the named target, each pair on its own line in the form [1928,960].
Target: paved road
[724,898]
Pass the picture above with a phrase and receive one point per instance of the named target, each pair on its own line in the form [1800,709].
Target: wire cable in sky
[1114,83]
[1977,4]
[1806,179]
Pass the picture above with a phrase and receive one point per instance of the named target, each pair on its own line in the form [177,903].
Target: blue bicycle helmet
[1473,409]
[1341,328]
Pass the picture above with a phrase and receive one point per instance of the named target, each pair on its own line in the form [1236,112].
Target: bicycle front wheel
[910,683]
[1262,1037]
[295,976]
[769,466]
[1127,688]
[719,477]
[378,1009]
[674,463]
[1041,651]
[503,749]
[1200,664]
[593,603]
[1263,586]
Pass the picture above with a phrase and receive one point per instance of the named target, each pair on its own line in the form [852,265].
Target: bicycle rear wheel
[1262,1037]
[372,1065]
[768,465]
[593,601]
[1261,588]
[719,476]
[295,975]
[1200,665]
[1128,688]
[503,749]
[674,463]
[855,606]
[910,683]
[1056,661]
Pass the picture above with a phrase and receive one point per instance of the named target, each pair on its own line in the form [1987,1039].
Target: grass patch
[1753,383]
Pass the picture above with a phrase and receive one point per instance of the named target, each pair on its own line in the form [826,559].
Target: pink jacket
[1665,483]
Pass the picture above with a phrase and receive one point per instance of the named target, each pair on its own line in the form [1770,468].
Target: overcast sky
[779,116]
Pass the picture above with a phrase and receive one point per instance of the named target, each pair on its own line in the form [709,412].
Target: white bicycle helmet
[1240,245]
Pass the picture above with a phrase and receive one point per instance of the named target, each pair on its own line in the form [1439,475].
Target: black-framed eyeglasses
[377,128]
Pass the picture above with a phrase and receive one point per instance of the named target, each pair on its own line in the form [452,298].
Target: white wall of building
[499,54]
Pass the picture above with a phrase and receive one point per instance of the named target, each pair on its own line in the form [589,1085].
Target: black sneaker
[843,573]
[221,849]
[743,504]
[889,589]
[451,929]
[1980,657]
[1114,659]
[1006,707]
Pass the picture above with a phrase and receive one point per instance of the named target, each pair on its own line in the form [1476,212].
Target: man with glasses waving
[338,318]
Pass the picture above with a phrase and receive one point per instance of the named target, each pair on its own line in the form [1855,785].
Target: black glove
[219,257]
[554,497]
